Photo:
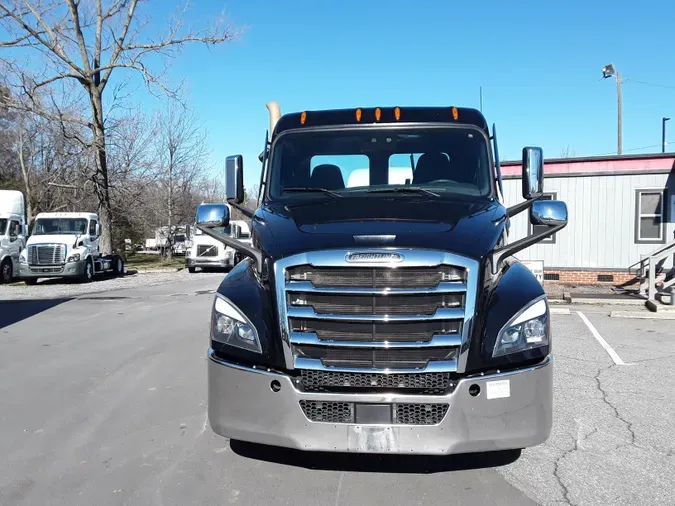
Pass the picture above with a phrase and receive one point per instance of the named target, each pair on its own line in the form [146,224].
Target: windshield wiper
[405,189]
[321,190]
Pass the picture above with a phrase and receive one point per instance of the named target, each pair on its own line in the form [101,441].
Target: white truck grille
[47,254]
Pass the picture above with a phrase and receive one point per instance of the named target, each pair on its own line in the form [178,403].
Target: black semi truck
[379,307]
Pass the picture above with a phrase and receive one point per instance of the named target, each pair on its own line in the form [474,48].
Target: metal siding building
[605,221]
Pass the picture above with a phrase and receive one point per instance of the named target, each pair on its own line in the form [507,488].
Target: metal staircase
[654,280]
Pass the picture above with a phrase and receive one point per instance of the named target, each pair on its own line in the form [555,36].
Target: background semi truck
[66,245]
[381,315]
[12,233]
[205,252]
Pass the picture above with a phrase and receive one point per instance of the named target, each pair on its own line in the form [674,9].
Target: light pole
[609,71]
[663,134]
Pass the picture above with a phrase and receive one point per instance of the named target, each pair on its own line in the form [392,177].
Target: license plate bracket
[373,414]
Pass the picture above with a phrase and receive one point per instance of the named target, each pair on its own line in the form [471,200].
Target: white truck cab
[66,245]
[208,253]
[12,233]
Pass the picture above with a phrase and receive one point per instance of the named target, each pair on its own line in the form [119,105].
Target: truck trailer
[388,314]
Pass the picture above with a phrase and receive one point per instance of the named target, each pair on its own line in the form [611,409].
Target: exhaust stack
[275,114]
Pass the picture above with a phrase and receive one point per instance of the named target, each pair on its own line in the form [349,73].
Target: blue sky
[539,64]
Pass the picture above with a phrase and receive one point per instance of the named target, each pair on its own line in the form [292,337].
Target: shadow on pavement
[13,311]
[369,463]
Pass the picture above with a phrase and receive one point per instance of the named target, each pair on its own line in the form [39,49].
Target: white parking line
[615,357]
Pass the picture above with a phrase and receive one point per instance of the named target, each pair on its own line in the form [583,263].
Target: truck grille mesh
[418,304]
[47,254]
[375,332]
[421,384]
[207,250]
[403,414]
[375,358]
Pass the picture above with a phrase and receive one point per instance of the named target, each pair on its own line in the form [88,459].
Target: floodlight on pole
[610,71]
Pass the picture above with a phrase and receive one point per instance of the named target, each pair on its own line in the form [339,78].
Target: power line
[633,149]
[667,86]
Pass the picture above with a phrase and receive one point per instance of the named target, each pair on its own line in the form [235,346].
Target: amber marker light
[303,118]
[455,113]
[397,113]
[378,114]
[358,115]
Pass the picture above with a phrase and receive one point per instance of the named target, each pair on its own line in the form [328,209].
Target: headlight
[74,258]
[229,326]
[527,330]
[22,259]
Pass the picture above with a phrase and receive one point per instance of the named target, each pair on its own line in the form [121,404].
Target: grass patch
[144,261]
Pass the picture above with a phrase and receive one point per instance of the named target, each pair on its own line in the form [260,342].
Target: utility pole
[663,134]
[609,71]
[619,114]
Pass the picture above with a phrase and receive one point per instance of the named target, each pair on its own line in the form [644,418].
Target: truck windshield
[3,225]
[60,226]
[371,161]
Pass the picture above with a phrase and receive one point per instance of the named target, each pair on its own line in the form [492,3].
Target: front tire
[31,281]
[192,270]
[7,271]
[88,275]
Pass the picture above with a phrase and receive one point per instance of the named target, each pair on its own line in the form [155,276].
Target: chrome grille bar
[433,274]
[441,314]
[445,287]
[437,341]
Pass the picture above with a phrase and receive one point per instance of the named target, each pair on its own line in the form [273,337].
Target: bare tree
[183,154]
[84,44]
[567,152]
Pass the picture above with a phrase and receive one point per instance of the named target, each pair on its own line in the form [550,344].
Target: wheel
[192,270]
[88,275]
[31,281]
[118,266]
[6,271]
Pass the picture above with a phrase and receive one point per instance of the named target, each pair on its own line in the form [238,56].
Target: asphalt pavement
[103,401]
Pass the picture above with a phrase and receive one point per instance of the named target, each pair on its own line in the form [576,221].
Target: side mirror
[548,212]
[533,173]
[98,229]
[234,178]
[213,215]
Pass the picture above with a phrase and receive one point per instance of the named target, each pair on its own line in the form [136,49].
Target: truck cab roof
[371,116]
[87,216]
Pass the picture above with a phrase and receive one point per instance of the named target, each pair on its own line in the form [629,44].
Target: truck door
[16,242]
[92,238]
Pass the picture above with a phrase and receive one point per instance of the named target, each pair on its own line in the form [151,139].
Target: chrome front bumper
[242,406]
[209,262]
[69,269]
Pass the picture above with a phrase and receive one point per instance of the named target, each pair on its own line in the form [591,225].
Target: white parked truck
[66,245]
[12,233]
[208,253]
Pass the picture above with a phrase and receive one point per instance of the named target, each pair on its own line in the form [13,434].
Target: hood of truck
[470,228]
[67,239]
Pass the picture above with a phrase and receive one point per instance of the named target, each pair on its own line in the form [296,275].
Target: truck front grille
[431,383]
[376,319]
[207,250]
[47,254]
[400,414]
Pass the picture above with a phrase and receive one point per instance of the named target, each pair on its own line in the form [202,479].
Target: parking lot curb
[643,315]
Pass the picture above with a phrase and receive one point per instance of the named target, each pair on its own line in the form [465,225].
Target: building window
[535,229]
[649,217]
